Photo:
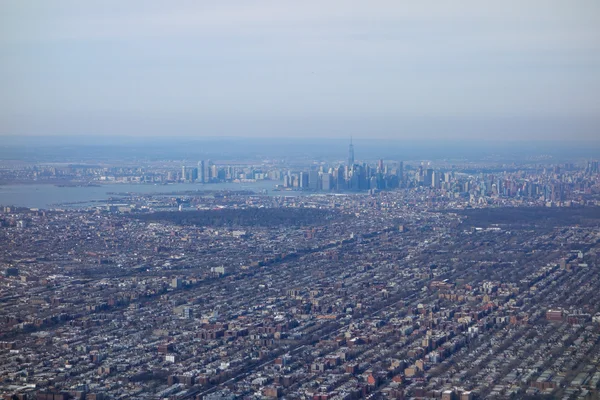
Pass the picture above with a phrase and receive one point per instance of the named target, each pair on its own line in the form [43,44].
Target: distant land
[103,149]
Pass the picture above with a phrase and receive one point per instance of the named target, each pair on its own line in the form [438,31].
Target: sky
[427,69]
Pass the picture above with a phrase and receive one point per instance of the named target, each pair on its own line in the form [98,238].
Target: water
[52,196]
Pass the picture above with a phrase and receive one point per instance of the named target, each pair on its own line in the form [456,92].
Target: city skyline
[467,282]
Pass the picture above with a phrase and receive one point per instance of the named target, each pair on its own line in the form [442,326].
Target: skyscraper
[435,179]
[350,154]
[340,178]
[326,181]
[313,180]
[400,171]
[201,171]
[428,181]
[303,180]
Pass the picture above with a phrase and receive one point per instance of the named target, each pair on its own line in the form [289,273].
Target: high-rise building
[201,171]
[207,171]
[350,154]
[436,179]
[326,181]
[400,171]
[428,181]
[363,182]
[193,175]
[420,176]
[313,180]
[303,180]
[373,183]
[340,179]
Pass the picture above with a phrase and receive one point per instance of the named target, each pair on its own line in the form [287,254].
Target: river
[51,196]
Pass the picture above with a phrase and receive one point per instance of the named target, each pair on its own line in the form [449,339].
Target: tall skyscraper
[401,171]
[303,180]
[340,178]
[313,180]
[350,154]
[429,177]
[326,181]
[435,179]
[207,170]
[201,171]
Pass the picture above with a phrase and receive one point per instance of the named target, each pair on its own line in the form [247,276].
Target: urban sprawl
[388,280]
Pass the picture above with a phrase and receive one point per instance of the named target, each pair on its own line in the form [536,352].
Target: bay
[47,196]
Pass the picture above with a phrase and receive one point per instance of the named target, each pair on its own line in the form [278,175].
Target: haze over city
[387,69]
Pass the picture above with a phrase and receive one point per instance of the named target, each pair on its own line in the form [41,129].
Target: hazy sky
[398,69]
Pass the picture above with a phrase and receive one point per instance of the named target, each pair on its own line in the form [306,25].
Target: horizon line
[366,137]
